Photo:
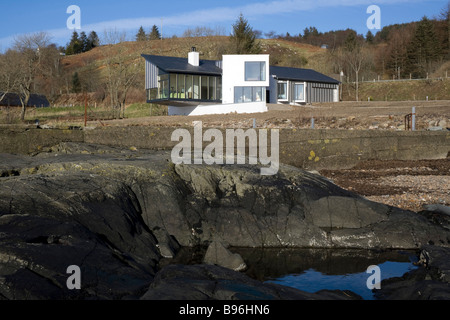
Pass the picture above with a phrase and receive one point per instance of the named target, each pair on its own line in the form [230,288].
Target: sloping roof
[13,100]
[181,65]
[297,74]
[210,67]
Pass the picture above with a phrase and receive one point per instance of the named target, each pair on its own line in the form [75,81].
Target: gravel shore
[405,184]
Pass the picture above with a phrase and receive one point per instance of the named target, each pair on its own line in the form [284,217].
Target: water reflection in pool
[317,269]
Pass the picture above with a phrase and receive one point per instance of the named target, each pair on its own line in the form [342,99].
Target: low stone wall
[306,148]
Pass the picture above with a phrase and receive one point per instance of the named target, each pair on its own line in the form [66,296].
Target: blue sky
[281,16]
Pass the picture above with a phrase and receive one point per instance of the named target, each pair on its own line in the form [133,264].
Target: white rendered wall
[249,107]
[233,75]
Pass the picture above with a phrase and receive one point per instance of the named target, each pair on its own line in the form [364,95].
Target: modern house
[238,83]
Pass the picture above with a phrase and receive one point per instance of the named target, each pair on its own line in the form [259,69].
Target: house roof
[297,74]
[13,100]
[210,67]
[181,65]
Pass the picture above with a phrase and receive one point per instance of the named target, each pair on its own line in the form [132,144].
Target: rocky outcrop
[206,282]
[218,254]
[115,213]
[430,282]
[189,205]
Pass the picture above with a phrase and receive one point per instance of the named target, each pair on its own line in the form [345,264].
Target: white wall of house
[233,67]
[249,107]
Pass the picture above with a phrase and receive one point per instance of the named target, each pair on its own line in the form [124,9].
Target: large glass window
[255,71]
[186,86]
[248,94]
[282,90]
[299,91]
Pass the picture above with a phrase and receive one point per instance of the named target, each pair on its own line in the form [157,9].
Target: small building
[300,86]
[13,100]
[237,83]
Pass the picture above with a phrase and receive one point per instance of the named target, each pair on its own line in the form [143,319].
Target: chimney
[194,57]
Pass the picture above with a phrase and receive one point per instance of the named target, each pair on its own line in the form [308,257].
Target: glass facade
[187,87]
[249,94]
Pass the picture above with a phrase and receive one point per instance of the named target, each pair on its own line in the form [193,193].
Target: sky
[175,16]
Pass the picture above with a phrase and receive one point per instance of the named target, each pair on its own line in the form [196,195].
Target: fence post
[413,121]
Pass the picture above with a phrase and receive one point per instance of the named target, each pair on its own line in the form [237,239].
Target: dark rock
[115,213]
[205,282]
[50,223]
[218,254]
[429,282]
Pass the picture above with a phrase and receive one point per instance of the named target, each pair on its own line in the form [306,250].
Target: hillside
[92,70]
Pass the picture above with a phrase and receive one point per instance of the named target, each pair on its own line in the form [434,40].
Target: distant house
[237,83]
[13,100]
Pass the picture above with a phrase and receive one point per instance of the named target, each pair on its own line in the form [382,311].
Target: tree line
[154,34]
[82,43]
[397,51]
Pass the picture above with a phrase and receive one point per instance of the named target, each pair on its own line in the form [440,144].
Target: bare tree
[122,70]
[8,78]
[357,58]
[31,51]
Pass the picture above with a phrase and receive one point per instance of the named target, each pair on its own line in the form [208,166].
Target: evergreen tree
[93,40]
[74,45]
[141,36]
[83,42]
[351,42]
[243,38]
[424,49]
[154,33]
[369,37]
[76,83]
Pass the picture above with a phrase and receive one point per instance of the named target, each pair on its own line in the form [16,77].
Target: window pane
[282,90]
[298,92]
[189,88]
[247,94]
[180,87]
[173,85]
[204,87]
[257,94]
[196,87]
[219,89]
[238,93]
[211,90]
[255,71]
[163,85]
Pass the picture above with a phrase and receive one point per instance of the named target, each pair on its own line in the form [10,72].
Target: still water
[317,269]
